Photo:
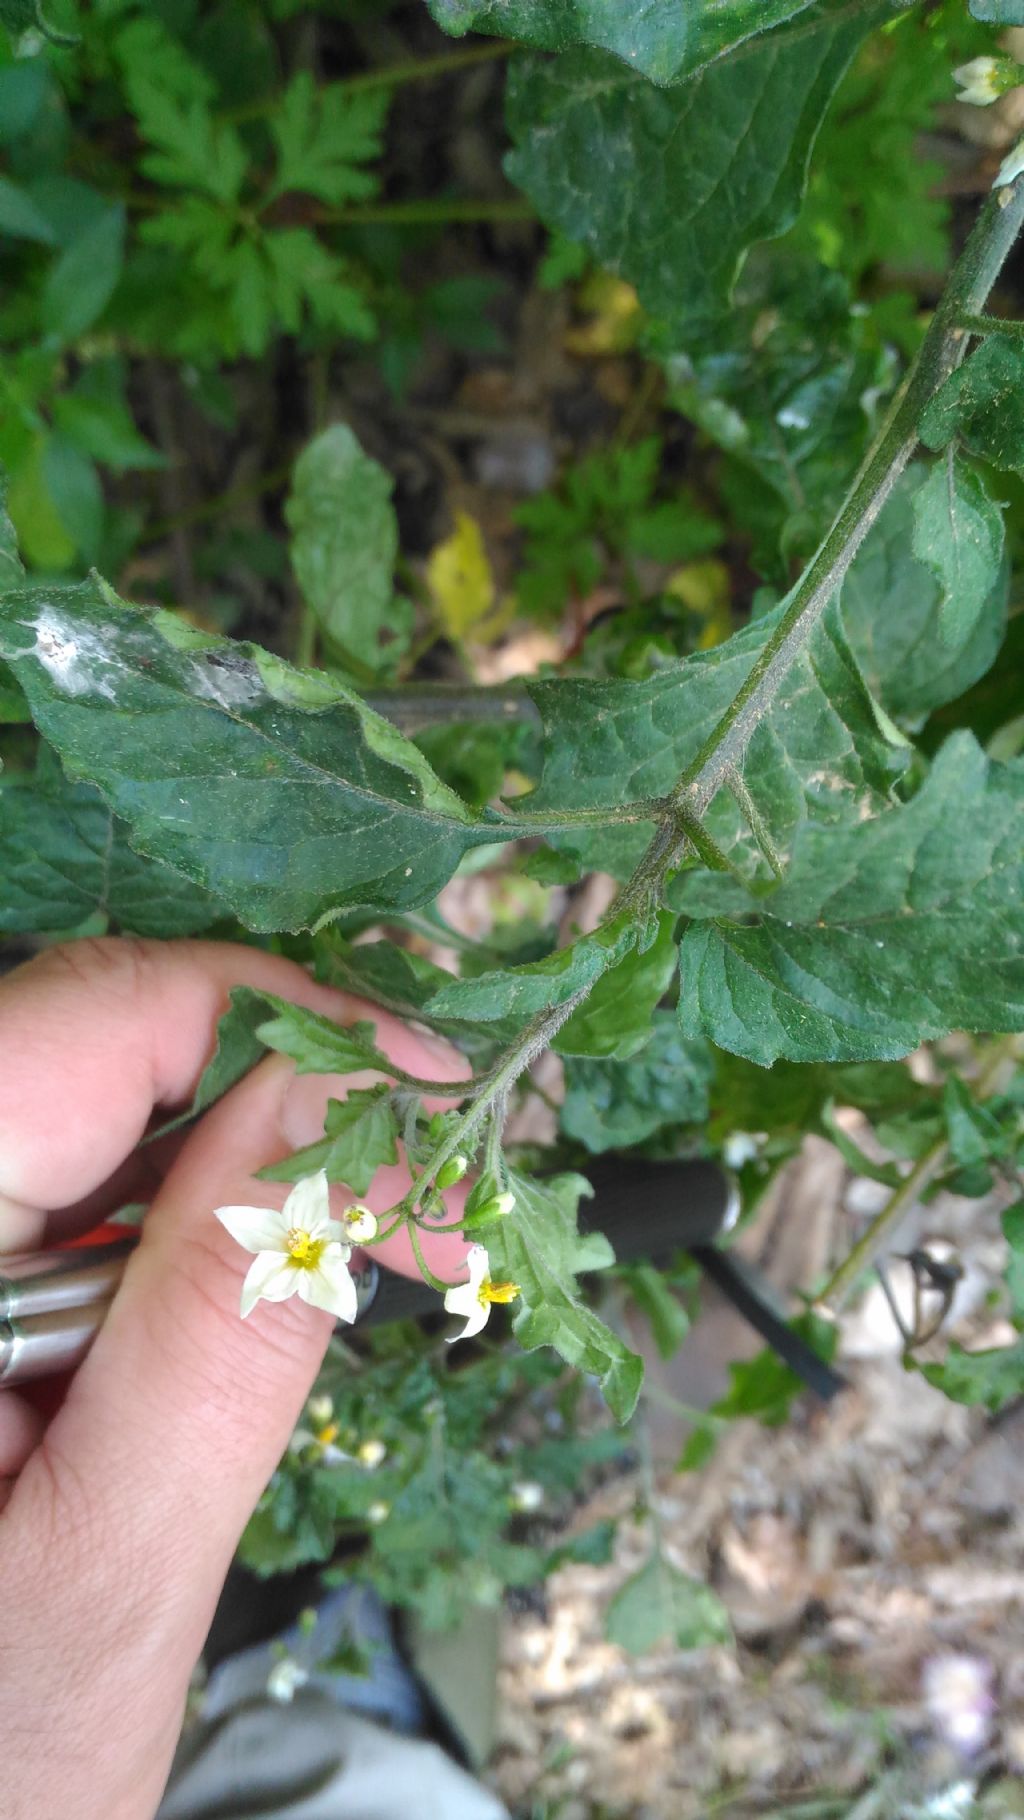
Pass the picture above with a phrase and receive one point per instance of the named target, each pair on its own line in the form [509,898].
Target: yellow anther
[490,1291]
[304,1250]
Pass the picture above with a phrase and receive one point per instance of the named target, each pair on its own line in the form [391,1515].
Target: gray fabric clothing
[312,1760]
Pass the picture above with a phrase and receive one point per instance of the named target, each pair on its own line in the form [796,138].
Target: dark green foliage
[689,177]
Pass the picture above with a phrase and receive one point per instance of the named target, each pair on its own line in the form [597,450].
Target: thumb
[143,1482]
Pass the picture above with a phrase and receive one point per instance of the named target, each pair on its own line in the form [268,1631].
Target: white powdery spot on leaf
[231,682]
[77,660]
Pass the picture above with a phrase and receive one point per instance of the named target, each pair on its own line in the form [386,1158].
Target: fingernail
[21,1227]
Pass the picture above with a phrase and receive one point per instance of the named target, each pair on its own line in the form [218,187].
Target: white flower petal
[271,1279]
[257,1228]
[308,1205]
[462,1299]
[1011,167]
[465,1300]
[478,1319]
[331,1286]
[478,1264]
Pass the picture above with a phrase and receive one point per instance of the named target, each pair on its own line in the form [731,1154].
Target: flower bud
[370,1453]
[378,1513]
[451,1172]
[526,1496]
[284,1678]
[360,1224]
[486,1212]
[321,1409]
[984,79]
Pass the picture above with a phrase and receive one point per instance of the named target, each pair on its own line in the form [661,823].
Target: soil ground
[869,1555]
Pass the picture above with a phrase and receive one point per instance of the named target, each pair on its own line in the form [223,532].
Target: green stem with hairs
[388,75]
[903,1198]
[941,351]
[717,762]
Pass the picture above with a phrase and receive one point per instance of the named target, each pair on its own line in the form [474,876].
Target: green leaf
[982,403]
[323,135]
[237,1049]
[80,283]
[881,935]
[612,1105]
[537,1247]
[668,1319]
[12,569]
[277,790]
[403,982]
[856,1159]
[522,992]
[195,152]
[818,755]
[64,859]
[660,1604]
[615,1020]
[22,15]
[663,39]
[1013,1232]
[315,1043]
[992,1378]
[669,187]
[914,653]
[362,1134]
[19,216]
[786,383]
[103,428]
[23,91]
[594,1547]
[958,534]
[974,1133]
[74,487]
[344,540]
[765,1386]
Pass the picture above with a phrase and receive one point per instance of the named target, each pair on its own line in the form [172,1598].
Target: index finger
[96,1034]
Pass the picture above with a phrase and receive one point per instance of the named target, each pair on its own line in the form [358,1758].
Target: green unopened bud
[452,1171]
[486,1212]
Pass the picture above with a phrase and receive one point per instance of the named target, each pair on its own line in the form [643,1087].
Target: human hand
[119,1519]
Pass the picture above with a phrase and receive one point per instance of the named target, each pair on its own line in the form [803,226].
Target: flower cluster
[300,1250]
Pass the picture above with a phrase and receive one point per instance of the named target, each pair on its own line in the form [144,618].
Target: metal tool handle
[45,1281]
[48,1343]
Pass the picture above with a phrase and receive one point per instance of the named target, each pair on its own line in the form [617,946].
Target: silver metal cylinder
[48,1342]
[51,1280]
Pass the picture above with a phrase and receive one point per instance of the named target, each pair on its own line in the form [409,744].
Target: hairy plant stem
[518,1057]
[717,762]
[870,1244]
[427,210]
[942,350]
[388,75]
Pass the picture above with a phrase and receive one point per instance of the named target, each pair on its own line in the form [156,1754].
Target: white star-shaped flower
[474,1299]
[299,1251]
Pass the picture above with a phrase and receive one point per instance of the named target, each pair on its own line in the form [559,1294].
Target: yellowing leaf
[460,579]
[615,322]
[704,587]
